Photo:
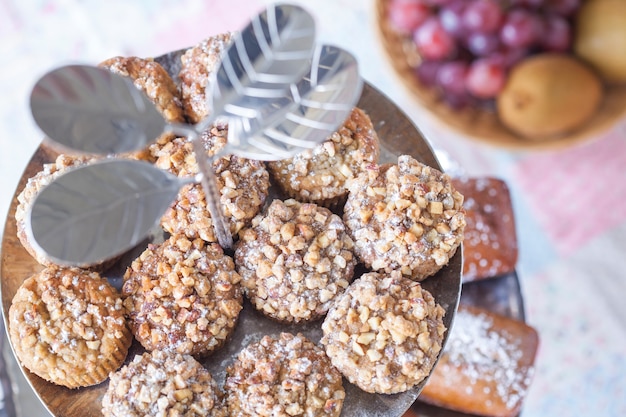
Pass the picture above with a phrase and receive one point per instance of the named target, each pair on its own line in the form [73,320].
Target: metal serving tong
[279,92]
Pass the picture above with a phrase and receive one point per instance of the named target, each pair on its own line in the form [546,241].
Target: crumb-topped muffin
[384,333]
[405,217]
[183,296]
[284,375]
[33,186]
[294,260]
[320,174]
[154,81]
[243,185]
[151,78]
[198,63]
[67,326]
[163,384]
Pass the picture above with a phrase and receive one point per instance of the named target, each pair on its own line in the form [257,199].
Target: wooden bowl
[481,124]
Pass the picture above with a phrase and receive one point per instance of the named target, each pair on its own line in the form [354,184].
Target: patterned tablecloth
[570,204]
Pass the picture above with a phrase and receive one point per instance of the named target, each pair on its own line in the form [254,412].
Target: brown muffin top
[183,296]
[320,174]
[243,185]
[151,78]
[384,333]
[67,325]
[198,63]
[405,217]
[294,260]
[285,375]
[163,384]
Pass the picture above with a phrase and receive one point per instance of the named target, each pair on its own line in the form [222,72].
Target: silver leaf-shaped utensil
[98,211]
[272,52]
[315,107]
[92,110]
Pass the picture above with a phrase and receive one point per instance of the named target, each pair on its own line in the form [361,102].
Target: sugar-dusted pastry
[406,216]
[197,64]
[163,384]
[294,260]
[283,375]
[182,295]
[490,244]
[67,326]
[243,185]
[319,175]
[486,367]
[384,333]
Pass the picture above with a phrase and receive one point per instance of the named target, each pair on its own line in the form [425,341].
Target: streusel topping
[384,333]
[405,217]
[182,295]
[68,326]
[294,260]
[163,384]
[285,375]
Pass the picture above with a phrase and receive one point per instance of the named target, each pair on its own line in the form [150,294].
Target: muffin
[27,196]
[67,326]
[151,78]
[319,175]
[197,65]
[243,185]
[182,296]
[405,217]
[490,243]
[384,333]
[294,260]
[163,384]
[486,367]
[285,375]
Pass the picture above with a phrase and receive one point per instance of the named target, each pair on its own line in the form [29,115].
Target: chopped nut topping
[288,375]
[191,309]
[405,217]
[294,260]
[384,333]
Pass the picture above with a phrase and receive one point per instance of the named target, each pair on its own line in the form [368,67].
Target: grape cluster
[467,46]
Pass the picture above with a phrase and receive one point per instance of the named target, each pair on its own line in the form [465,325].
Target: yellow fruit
[600,37]
[547,95]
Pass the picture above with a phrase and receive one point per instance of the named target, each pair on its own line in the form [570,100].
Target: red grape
[563,7]
[426,72]
[485,78]
[557,36]
[451,17]
[405,16]
[483,16]
[432,40]
[482,44]
[521,28]
[451,77]
[508,57]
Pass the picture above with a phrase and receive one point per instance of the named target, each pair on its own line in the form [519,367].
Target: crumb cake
[67,326]
[320,174]
[163,384]
[197,65]
[33,186]
[182,295]
[285,375]
[490,244]
[486,367]
[384,333]
[405,216]
[294,260]
[243,185]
